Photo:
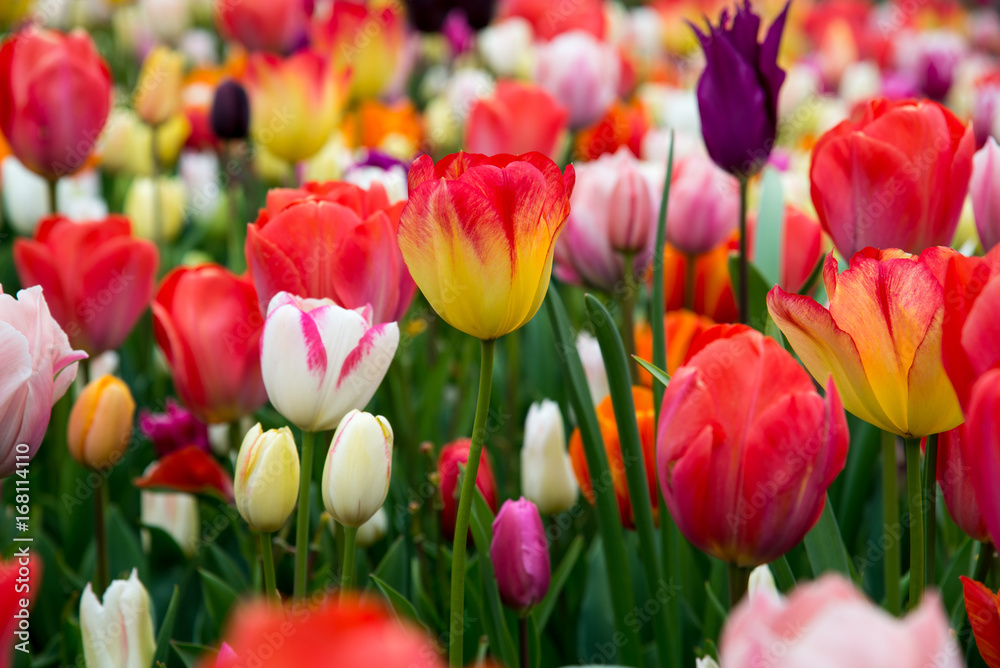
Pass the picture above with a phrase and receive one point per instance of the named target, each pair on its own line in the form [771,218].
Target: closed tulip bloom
[981,441]
[582,73]
[517,118]
[373,530]
[118,631]
[546,472]
[646,420]
[266,479]
[295,102]
[829,622]
[984,188]
[278,26]
[158,93]
[704,205]
[894,178]
[880,339]
[451,457]
[55,96]
[144,195]
[230,115]
[357,469]
[176,514]
[589,351]
[478,234]
[206,322]
[983,608]
[713,290]
[100,424]
[98,279]
[331,240]
[760,430]
[741,80]
[321,361]
[38,367]
[956,456]
[520,554]
[802,247]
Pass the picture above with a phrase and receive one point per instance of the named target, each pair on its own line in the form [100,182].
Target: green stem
[52,194]
[157,204]
[744,296]
[100,537]
[350,539]
[890,520]
[525,645]
[267,557]
[302,520]
[917,545]
[689,279]
[457,611]
[628,313]
[739,578]
[237,225]
[930,493]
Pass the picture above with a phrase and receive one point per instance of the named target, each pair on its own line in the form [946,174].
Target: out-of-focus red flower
[625,124]
[982,605]
[331,240]
[646,418]
[453,454]
[97,278]
[265,25]
[681,328]
[17,571]
[374,122]
[207,323]
[518,118]
[190,470]
[955,459]
[802,246]
[548,20]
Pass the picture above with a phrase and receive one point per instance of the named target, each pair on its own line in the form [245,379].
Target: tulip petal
[979,333]
[190,470]
[981,606]
[982,430]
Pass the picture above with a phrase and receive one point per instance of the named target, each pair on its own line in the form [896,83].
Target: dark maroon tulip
[520,554]
[230,111]
[738,90]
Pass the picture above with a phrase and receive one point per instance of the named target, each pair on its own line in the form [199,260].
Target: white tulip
[593,366]
[357,470]
[174,512]
[547,477]
[117,633]
[373,530]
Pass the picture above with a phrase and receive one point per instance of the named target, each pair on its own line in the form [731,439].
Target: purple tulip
[520,554]
[174,429]
[738,90]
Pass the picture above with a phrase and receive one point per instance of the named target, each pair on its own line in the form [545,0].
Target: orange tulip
[100,424]
[681,328]
[713,291]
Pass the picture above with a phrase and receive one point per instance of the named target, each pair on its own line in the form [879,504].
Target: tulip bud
[141,199]
[231,111]
[593,366]
[175,513]
[761,583]
[546,472]
[100,424]
[356,474]
[373,530]
[983,188]
[158,93]
[266,480]
[117,633]
[450,459]
[520,554]
[706,662]
[631,216]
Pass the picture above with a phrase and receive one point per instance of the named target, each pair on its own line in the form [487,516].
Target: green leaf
[825,546]
[401,607]
[657,303]
[782,572]
[961,564]
[757,315]
[659,374]
[219,598]
[813,277]
[496,624]
[770,228]
[190,653]
[167,628]
[124,550]
[227,568]
[544,609]
[392,568]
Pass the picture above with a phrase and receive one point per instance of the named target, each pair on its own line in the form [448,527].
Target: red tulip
[802,247]
[97,278]
[190,470]
[548,20]
[955,457]
[453,454]
[208,325]
[17,571]
[894,178]
[517,118]
[983,608]
[55,95]
[265,25]
[746,448]
[982,448]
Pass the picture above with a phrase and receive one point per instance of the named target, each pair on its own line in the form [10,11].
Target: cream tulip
[357,470]
[546,472]
[118,632]
[266,480]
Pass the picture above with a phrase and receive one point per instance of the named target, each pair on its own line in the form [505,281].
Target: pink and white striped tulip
[320,361]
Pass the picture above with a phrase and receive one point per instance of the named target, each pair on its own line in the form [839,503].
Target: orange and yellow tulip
[880,339]
[100,424]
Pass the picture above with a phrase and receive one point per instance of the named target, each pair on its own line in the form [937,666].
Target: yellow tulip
[158,93]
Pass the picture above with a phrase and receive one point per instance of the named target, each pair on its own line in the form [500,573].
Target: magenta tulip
[520,554]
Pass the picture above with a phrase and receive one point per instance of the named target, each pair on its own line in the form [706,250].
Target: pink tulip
[582,73]
[37,365]
[520,554]
[830,623]
[982,446]
[517,118]
[955,457]
[985,190]
[704,205]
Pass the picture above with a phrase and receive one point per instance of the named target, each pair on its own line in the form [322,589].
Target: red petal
[981,606]
[190,470]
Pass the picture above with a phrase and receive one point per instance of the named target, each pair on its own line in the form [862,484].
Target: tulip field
[499,333]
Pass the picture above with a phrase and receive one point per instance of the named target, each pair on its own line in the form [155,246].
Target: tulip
[174,513]
[712,295]
[357,469]
[880,339]
[741,80]
[516,118]
[623,125]
[645,418]
[777,444]
[39,366]
[704,205]
[266,479]
[158,93]
[981,448]
[955,457]
[118,631]
[126,144]
[681,328]
[55,95]
[374,529]
[190,470]
[142,202]
[451,457]
[582,73]
[98,279]
[265,25]
[366,38]
[761,583]
[230,116]
[478,235]
[321,361]
[100,424]
[546,471]
[173,429]
[331,240]
[982,187]
[895,178]
[548,23]
[983,609]
[294,102]
[394,130]
[589,351]
[26,197]
[520,555]
[829,618]
[507,46]
[207,324]
[12,598]
[801,248]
